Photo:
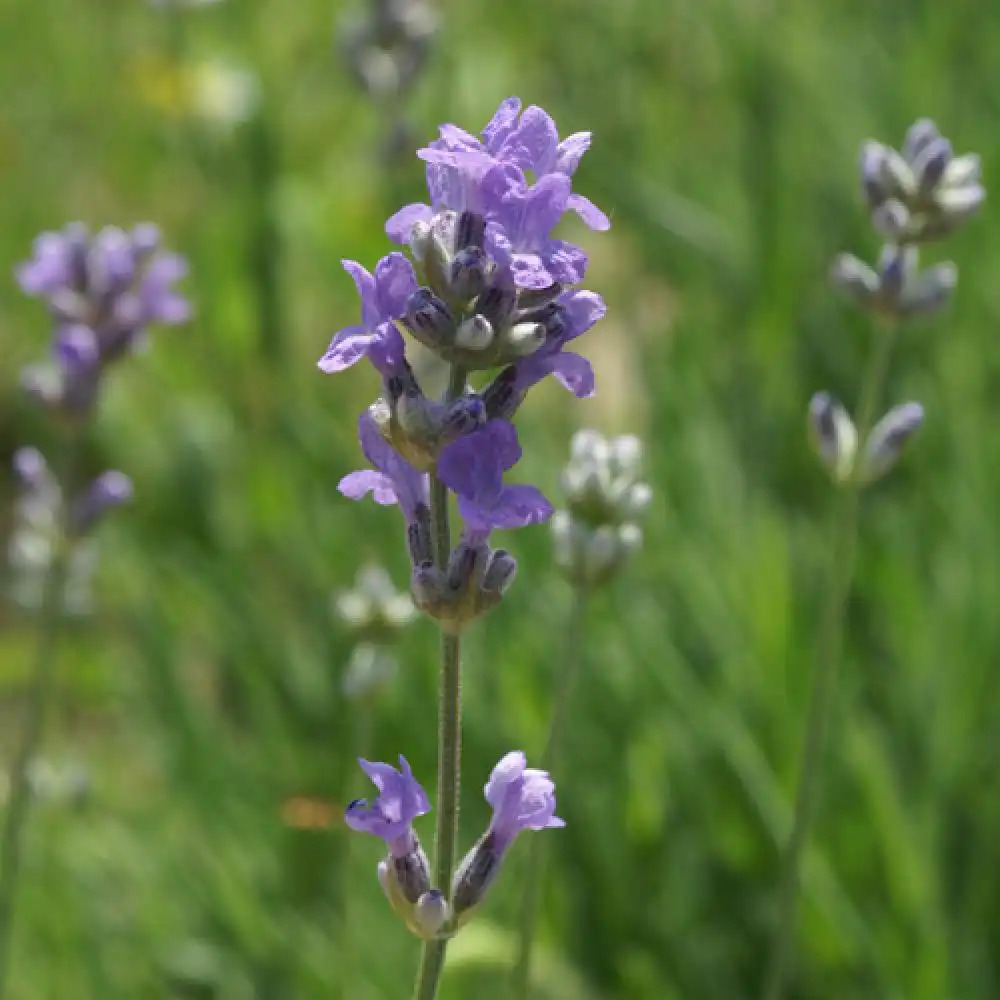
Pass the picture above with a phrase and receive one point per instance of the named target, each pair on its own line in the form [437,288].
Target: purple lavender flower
[522,797]
[399,801]
[489,177]
[383,300]
[103,291]
[393,480]
[109,490]
[473,467]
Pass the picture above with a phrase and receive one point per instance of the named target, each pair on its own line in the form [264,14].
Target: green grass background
[205,691]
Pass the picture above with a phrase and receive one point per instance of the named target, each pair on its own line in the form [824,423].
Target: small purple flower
[383,300]
[103,291]
[399,801]
[523,798]
[473,467]
[393,480]
[109,490]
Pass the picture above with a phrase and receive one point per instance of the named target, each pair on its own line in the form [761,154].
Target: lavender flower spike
[383,300]
[399,801]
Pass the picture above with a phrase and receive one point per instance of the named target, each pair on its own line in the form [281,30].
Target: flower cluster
[598,530]
[914,197]
[489,287]
[522,798]
[103,291]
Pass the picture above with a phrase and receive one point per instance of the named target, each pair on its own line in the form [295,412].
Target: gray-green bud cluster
[374,612]
[598,530]
[467,312]
[836,440]
[914,196]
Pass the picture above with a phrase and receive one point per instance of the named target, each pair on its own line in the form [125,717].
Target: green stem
[831,636]
[565,682]
[449,774]
[19,800]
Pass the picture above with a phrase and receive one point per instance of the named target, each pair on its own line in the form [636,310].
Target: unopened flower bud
[475,875]
[525,338]
[468,273]
[929,290]
[470,232]
[431,913]
[930,164]
[887,439]
[855,277]
[497,303]
[891,219]
[429,319]
[833,435]
[474,334]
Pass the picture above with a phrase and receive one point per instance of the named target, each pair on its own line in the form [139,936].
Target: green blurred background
[204,696]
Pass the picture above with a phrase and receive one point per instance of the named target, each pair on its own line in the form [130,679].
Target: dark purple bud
[919,135]
[419,538]
[500,573]
[501,397]
[463,416]
[467,273]
[476,874]
[429,319]
[534,298]
[497,303]
[930,164]
[470,232]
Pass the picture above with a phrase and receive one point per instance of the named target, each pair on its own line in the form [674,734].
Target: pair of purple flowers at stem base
[490,289]
[522,798]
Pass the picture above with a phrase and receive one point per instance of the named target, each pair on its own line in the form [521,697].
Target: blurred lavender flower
[387,47]
[599,530]
[374,612]
[44,525]
[522,798]
[102,291]
[923,192]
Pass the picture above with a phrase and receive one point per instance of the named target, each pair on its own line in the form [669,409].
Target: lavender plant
[103,291]
[489,288]
[915,196]
[593,538]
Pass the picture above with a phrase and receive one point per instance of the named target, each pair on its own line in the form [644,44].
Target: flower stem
[449,774]
[569,670]
[831,635]
[19,800]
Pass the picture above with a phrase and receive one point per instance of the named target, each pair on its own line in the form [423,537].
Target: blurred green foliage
[205,694]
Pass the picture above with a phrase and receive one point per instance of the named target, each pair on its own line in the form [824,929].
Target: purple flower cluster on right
[489,289]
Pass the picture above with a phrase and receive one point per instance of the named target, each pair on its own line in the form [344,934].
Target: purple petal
[454,138]
[388,351]
[473,465]
[513,507]
[592,216]
[573,371]
[529,271]
[532,145]
[364,281]
[399,227]
[49,269]
[76,347]
[502,123]
[347,348]
[357,485]
[409,485]
[395,282]
[543,207]
[567,263]
[582,309]
[570,152]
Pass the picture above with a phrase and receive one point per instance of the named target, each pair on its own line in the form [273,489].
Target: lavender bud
[431,913]
[534,298]
[897,175]
[429,319]
[475,334]
[962,171]
[419,539]
[499,574]
[109,490]
[960,203]
[891,219]
[410,872]
[497,303]
[929,290]
[501,397]
[463,416]
[919,135]
[470,232]
[888,437]
[872,154]
[896,265]
[930,163]
[525,338]
[475,874]
[468,272]
[833,435]
[855,277]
